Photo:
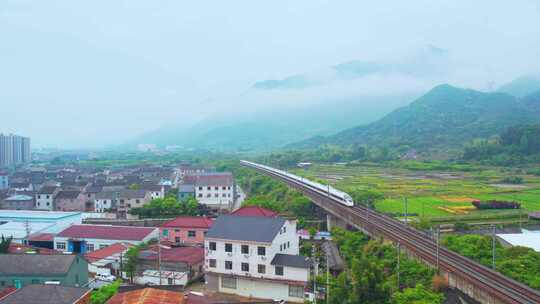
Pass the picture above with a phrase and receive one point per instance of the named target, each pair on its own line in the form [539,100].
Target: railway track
[504,289]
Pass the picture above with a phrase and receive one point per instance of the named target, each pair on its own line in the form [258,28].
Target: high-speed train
[343,197]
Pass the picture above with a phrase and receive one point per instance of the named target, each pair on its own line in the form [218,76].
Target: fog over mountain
[104,73]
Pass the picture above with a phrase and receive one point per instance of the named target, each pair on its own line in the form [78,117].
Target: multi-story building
[216,190]
[45,197]
[121,201]
[14,150]
[70,200]
[4,180]
[255,257]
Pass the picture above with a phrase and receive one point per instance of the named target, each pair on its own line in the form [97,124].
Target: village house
[18,202]
[107,260]
[19,270]
[45,197]
[186,230]
[256,257]
[70,200]
[216,190]
[179,265]
[87,238]
[47,294]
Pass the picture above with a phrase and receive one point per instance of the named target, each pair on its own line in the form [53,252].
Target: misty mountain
[275,113]
[522,86]
[446,117]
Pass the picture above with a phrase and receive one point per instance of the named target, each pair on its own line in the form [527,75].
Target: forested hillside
[444,119]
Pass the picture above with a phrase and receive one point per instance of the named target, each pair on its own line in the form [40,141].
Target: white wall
[42,200]
[261,289]
[224,197]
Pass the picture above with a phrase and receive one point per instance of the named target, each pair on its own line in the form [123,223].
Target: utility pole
[406,213]
[438,245]
[159,257]
[493,246]
[315,271]
[327,279]
[398,258]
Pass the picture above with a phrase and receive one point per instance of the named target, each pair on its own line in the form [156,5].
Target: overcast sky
[91,73]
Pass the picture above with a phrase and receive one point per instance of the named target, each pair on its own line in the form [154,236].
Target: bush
[104,293]
[516,180]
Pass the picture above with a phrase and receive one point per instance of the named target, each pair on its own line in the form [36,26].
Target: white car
[105,277]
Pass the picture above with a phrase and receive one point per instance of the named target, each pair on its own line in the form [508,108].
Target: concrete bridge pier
[333,221]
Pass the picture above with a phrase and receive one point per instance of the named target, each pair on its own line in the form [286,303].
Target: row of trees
[519,263]
[167,207]
[371,275]
[515,145]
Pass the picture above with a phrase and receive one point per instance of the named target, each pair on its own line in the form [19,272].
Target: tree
[417,295]
[4,244]
[367,277]
[167,207]
[104,293]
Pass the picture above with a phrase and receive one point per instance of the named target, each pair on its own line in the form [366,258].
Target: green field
[427,191]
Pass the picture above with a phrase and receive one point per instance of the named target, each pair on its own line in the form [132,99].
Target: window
[212,263]
[2,283]
[17,283]
[200,188]
[200,194]
[61,245]
[209,195]
[165,232]
[170,281]
[39,196]
[261,268]
[228,265]
[284,229]
[228,247]
[177,239]
[216,195]
[35,281]
[224,195]
[208,188]
[216,188]
[138,201]
[191,233]
[279,270]
[296,291]
[223,188]
[212,246]
[281,247]
[228,282]
[245,267]
[245,249]
[102,246]
[90,247]
[288,244]
[76,279]
[176,230]
[261,250]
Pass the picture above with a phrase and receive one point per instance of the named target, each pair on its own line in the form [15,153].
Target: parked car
[105,277]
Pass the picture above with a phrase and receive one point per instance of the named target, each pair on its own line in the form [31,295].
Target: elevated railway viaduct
[474,279]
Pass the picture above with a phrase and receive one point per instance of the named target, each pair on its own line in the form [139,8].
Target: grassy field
[434,194]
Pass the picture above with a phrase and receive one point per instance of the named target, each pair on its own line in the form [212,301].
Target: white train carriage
[343,197]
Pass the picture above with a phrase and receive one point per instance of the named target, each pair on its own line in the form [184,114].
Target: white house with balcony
[256,257]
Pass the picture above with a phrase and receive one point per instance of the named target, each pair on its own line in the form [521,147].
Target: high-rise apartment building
[14,150]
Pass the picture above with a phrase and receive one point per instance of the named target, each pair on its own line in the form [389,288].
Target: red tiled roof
[190,222]
[7,291]
[41,237]
[254,211]
[147,296]
[106,232]
[189,255]
[15,248]
[106,252]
